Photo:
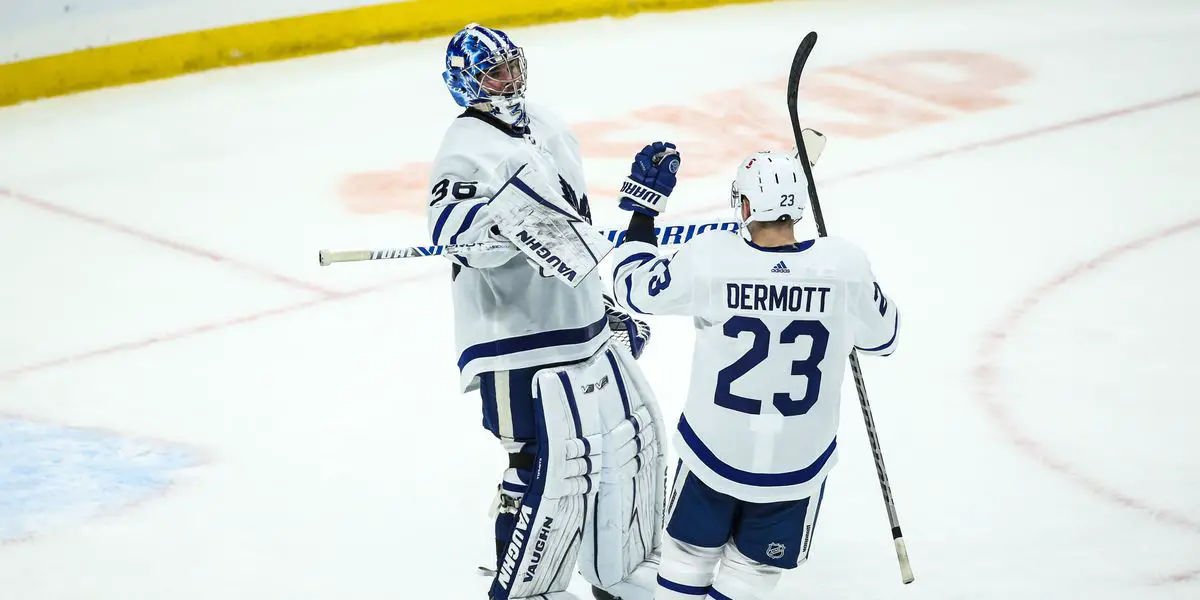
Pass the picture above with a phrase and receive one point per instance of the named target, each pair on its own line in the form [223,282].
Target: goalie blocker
[534,217]
[596,498]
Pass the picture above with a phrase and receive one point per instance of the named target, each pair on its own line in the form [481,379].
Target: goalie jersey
[774,328]
[508,315]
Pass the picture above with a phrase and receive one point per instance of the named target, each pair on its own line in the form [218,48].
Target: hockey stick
[667,235]
[798,62]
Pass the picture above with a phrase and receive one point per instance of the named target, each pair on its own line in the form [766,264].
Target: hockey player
[586,477]
[775,319]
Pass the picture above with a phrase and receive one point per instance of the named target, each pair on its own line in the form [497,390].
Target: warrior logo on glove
[651,179]
[646,196]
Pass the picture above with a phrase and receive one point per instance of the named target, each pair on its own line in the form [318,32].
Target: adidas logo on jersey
[780,268]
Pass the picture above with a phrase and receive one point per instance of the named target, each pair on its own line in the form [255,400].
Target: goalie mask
[486,70]
[773,184]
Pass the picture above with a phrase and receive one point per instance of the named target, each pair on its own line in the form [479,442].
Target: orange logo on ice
[870,99]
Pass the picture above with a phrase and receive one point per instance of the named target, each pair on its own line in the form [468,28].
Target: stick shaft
[801,58]
[328,257]
[667,234]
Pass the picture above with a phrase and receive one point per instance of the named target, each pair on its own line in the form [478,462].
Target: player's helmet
[773,183]
[486,70]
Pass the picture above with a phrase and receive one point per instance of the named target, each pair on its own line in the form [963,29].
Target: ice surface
[1021,172]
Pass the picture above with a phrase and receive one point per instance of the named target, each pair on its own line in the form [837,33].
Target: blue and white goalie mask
[486,70]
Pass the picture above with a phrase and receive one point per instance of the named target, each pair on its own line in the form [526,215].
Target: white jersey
[508,315]
[774,330]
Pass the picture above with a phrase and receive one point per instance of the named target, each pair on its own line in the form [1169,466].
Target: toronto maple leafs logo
[580,204]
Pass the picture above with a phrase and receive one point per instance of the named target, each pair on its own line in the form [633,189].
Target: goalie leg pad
[539,557]
[510,492]
[621,547]
[595,493]
[508,412]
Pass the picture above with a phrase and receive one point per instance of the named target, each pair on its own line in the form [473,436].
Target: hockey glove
[651,179]
[631,332]
[530,211]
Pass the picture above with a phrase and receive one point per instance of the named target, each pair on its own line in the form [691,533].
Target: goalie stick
[802,52]
[667,235]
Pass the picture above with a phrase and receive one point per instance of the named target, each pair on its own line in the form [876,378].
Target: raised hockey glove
[651,179]
[631,332]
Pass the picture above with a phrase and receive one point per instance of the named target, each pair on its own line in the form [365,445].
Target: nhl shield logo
[776,550]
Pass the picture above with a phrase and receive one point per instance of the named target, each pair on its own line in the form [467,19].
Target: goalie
[585,478]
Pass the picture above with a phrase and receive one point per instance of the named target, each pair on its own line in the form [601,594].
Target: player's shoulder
[715,240]
[472,143]
[545,119]
[472,128]
[839,245]
[703,248]
[843,251]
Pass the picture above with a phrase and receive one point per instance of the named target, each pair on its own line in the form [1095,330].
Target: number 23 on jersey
[762,340]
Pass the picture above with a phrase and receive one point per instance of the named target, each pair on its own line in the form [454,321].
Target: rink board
[172,55]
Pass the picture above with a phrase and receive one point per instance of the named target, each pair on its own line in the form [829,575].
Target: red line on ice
[161,241]
[985,374]
[331,296]
[198,329]
[1179,577]
[1024,135]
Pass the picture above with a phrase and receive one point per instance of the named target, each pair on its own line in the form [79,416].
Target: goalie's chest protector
[510,316]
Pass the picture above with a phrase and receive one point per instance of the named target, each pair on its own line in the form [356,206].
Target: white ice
[1038,421]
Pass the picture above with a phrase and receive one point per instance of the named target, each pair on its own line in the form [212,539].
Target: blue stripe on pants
[679,588]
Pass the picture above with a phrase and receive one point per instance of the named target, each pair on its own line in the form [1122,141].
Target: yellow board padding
[168,56]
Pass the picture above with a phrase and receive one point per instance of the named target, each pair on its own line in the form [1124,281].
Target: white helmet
[774,184]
